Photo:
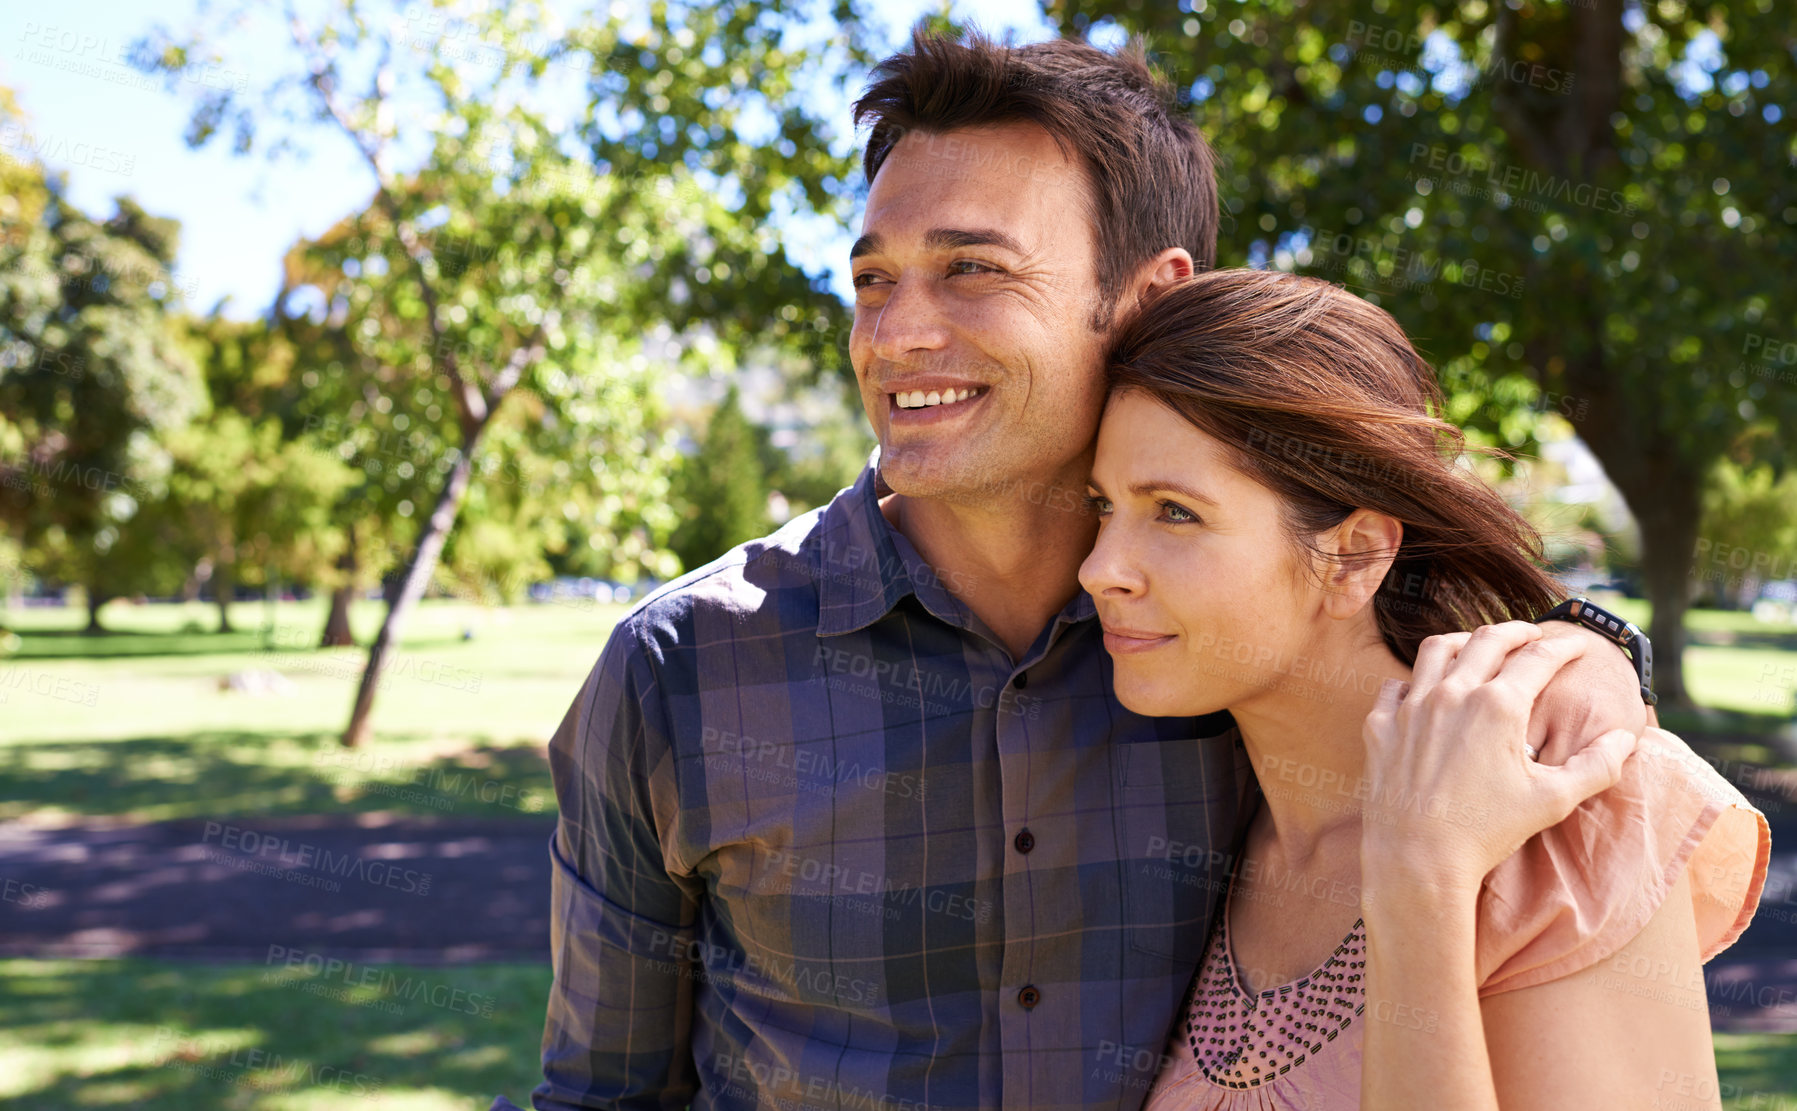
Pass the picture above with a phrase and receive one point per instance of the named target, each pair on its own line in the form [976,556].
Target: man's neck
[1013,561]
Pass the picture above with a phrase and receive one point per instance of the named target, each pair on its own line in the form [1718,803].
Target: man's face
[976,271]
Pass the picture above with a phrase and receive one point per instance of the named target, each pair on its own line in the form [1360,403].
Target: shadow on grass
[119,645]
[242,642]
[162,1035]
[215,774]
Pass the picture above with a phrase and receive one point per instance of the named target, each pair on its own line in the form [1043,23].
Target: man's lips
[930,414]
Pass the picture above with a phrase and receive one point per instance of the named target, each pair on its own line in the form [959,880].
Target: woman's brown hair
[1319,396]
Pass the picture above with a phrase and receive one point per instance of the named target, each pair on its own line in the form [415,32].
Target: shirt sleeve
[1578,892]
[618,1033]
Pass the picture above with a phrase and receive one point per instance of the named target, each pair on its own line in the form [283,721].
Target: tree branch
[522,358]
[473,405]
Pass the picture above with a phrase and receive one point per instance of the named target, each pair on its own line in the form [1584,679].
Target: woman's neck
[1303,736]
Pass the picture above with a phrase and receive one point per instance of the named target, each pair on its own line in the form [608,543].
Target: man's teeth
[918,399]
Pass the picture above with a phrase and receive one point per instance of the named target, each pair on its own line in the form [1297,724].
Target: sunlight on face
[975,273]
[1198,585]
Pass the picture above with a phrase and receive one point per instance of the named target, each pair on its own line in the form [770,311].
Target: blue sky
[115,132]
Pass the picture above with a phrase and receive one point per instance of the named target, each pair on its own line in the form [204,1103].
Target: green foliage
[93,377]
[1749,532]
[639,238]
[1592,202]
[723,487]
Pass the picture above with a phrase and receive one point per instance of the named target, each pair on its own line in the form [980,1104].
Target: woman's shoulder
[1578,892]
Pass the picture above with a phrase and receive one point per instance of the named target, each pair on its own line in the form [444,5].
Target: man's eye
[969,266]
[863,280]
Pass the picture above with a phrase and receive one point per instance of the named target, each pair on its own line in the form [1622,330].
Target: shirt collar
[866,567]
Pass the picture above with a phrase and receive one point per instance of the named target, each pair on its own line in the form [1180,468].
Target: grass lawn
[173,1036]
[134,724]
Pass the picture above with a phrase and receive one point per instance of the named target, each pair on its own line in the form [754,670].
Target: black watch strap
[1625,634]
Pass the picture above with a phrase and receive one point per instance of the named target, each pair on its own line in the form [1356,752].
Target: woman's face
[1198,586]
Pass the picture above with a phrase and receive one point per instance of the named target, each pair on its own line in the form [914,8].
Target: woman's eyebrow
[1169,485]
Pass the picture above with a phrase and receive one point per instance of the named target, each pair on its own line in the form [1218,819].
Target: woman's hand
[1451,793]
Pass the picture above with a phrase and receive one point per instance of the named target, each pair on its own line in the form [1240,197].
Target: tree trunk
[224,585]
[417,574]
[337,632]
[1668,520]
[1664,493]
[1669,525]
[95,599]
[336,626]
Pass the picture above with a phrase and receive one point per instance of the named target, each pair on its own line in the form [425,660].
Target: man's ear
[1365,544]
[1170,267]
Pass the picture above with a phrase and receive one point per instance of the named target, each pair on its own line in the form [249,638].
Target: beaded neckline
[1242,1039]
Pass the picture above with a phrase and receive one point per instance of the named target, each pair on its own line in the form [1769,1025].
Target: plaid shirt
[823,844]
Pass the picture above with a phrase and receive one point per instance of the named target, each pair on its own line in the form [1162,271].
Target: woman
[1281,515]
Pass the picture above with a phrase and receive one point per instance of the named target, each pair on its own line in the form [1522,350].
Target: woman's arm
[1423,1039]
[1630,1032]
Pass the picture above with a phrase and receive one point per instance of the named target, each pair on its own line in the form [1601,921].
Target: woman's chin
[1157,701]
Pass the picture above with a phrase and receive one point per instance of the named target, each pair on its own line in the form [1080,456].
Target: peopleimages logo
[254,849]
[1512,180]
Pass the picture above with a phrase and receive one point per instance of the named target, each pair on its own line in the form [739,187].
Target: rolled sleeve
[618,1032]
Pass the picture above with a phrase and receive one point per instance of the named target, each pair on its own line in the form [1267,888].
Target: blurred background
[362,363]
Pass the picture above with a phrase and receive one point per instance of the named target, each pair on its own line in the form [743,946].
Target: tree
[1749,533]
[723,486]
[92,377]
[1581,199]
[507,255]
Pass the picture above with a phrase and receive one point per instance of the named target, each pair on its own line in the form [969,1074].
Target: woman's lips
[1121,643]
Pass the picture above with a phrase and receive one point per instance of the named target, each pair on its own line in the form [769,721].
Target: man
[850,817]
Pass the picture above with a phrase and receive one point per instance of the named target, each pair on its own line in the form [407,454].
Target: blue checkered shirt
[823,843]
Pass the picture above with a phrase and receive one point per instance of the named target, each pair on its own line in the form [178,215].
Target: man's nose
[911,320]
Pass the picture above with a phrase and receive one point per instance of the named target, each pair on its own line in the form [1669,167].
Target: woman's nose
[1109,567]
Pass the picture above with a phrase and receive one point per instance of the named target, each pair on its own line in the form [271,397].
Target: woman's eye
[1098,505]
[1178,514]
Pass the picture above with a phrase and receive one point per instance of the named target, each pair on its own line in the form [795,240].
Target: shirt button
[1025,841]
[1022,680]
[1029,997]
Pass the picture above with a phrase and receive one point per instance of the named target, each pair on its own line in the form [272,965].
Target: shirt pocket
[1175,805]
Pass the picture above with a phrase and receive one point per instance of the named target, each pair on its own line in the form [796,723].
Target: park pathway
[428,891]
[420,890]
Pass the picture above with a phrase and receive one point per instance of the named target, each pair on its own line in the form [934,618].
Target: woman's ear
[1363,547]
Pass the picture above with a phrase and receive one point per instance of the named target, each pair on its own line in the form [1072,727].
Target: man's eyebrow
[949,238]
[1142,489]
[946,239]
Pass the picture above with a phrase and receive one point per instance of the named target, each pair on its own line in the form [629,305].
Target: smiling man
[851,817]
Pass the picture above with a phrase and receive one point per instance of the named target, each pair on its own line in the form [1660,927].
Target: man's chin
[928,471]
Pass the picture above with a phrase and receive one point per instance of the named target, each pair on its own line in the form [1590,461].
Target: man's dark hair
[1151,175]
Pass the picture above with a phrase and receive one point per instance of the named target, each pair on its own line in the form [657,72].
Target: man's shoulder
[763,586]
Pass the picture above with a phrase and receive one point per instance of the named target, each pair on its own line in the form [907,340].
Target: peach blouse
[1571,896]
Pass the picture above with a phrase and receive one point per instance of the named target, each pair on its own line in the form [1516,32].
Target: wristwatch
[1625,634]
